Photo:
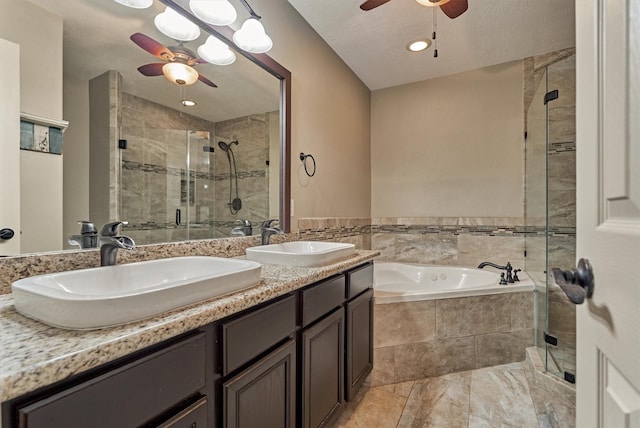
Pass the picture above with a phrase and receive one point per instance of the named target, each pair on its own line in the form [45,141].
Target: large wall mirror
[175,172]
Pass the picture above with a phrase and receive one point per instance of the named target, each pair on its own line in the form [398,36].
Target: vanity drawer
[359,279]
[250,335]
[127,396]
[194,416]
[322,299]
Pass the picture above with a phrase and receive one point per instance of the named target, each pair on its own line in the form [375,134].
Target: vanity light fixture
[216,52]
[251,37]
[214,12]
[136,4]
[179,73]
[419,45]
[176,26]
[432,3]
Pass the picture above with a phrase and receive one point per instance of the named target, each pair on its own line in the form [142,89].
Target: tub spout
[506,267]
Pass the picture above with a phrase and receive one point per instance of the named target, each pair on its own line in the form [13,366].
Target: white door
[608,211]
[10,146]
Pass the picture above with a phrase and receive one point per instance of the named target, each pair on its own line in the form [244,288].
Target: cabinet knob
[6,233]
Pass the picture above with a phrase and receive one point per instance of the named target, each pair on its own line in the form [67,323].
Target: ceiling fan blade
[206,81]
[455,8]
[154,69]
[154,48]
[372,4]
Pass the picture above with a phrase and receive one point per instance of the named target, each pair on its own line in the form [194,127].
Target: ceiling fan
[178,65]
[451,8]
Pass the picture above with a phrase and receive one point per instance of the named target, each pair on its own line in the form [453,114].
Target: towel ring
[303,158]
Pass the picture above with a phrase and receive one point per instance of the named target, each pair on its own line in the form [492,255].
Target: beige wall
[39,34]
[330,118]
[449,147]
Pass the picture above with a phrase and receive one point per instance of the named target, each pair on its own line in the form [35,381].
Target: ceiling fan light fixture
[136,4]
[216,52]
[176,26]
[214,12]
[179,73]
[418,45]
[251,37]
[432,3]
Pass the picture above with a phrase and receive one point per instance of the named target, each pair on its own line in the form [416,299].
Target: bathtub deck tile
[406,322]
[502,348]
[467,316]
[439,357]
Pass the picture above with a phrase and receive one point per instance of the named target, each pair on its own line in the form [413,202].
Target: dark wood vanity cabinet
[289,362]
[162,387]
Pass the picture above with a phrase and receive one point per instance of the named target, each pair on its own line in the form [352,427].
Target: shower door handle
[178,216]
[576,283]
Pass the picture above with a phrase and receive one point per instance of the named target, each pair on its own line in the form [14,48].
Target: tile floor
[496,396]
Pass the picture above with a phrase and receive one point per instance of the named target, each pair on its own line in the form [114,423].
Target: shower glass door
[166,185]
[550,206]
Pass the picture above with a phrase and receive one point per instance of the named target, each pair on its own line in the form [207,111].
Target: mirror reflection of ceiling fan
[451,8]
[178,65]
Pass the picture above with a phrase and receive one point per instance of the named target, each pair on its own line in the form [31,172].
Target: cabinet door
[359,341]
[264,394]
[323,370]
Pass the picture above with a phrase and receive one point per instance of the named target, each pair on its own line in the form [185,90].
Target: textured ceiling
[490,32]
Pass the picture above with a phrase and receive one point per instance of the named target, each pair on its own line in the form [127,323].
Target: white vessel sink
[112,295]
[300,253]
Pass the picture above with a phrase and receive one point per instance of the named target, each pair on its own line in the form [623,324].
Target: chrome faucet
[88,237]
[244,230]
[268,230]
[110,243]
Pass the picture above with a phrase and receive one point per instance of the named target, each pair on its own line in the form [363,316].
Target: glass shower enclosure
[550,204]
[168,190]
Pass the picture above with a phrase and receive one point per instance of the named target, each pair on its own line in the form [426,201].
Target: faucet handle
[87,227]
[111,229]
[268,223]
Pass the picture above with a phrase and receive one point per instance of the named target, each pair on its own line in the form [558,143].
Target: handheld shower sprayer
[235,204]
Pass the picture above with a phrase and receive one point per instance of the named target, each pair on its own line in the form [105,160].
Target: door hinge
[550,339]
[550,96]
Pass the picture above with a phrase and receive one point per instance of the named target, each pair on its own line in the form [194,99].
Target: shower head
[225,147]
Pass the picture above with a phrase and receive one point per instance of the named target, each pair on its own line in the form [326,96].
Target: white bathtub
[403,282]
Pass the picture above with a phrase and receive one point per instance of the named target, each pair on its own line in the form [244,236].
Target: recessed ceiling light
[418,45]
[188,103]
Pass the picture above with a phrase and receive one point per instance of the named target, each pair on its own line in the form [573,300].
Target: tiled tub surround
[34,354]
[350,230]
[459,241]
[414,340]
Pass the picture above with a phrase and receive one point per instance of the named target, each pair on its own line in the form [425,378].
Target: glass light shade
[180,74]
[176,26]
[419,45]
[136,4]
[432,3]
[251,37]
[214,12]
[216,52]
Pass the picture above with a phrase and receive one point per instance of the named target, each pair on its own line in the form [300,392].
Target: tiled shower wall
[253,168]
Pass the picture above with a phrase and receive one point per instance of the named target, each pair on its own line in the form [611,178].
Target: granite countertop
[33,354]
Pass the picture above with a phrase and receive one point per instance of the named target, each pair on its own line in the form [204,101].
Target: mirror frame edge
[274,68]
